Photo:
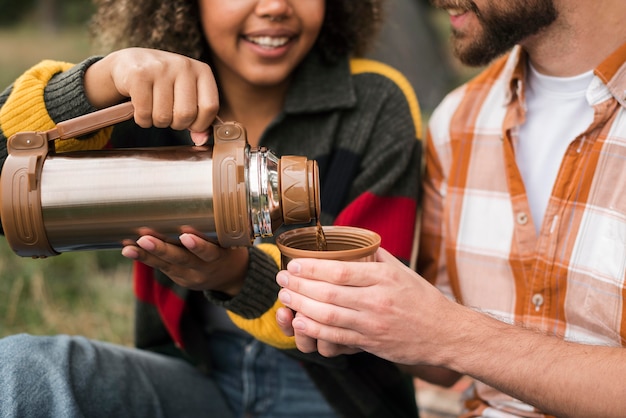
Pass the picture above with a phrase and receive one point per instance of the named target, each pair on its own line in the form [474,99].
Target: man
[524,224]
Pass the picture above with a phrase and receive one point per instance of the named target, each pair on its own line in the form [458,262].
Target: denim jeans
[259,381]
[74,377]
[70,377]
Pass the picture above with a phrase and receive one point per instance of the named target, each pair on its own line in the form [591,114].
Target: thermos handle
[90,122]
[99,119]
[36,143]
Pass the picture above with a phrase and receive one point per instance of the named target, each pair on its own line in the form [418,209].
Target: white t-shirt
[558,113]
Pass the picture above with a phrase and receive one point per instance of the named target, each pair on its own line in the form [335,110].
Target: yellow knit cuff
[98,141]
[25,109]
[265,328]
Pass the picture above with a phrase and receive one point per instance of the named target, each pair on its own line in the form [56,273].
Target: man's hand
[306,344]
[381,307]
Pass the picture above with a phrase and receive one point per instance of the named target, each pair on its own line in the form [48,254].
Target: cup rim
[373,243]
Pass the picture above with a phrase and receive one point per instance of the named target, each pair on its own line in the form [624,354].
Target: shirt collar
[515,73]
[611,74]
[318,86]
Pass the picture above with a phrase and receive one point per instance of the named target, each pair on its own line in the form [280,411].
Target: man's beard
[501,29]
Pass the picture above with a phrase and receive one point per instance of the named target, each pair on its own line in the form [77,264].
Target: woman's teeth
[268,41]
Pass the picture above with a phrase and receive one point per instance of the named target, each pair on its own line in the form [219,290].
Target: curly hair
[350,26]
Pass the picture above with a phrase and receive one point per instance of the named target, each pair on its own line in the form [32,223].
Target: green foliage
[86,293]
[76,12]
[58,13]
[24,46]
[13,11]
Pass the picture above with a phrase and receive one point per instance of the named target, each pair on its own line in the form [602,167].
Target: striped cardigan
[361,121]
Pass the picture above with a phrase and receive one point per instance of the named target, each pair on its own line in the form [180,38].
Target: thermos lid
[299,185]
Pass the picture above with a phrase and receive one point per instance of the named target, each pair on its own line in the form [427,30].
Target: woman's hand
[197,264]
[166,89]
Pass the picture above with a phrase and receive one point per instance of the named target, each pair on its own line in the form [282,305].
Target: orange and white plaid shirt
[478,241]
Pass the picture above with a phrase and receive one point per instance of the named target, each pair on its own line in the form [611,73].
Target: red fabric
[169,304]
[393,218]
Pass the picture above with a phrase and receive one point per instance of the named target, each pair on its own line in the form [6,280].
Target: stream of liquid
[320,238]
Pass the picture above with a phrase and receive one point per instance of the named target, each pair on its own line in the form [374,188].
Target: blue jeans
[259,381]
[66,376]
[74,377]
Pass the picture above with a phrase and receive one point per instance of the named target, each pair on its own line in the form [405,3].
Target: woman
[283,69]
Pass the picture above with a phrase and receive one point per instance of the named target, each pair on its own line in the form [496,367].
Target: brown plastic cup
[344,243]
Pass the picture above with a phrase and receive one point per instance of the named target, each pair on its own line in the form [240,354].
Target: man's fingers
[284,316]
[337,272]
[328,349]
[321,311]
[329,340]
[305,343]
[342,284]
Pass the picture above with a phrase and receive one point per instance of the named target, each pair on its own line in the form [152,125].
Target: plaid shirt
[478,240]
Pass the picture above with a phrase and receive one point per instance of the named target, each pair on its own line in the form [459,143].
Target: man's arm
[388,310]
[561,378]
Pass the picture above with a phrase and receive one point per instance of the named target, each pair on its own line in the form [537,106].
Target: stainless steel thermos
[228,192]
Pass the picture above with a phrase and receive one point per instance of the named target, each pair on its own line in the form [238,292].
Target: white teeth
[268,41]
[455,12]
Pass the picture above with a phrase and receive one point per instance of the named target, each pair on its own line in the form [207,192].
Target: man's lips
[457,16]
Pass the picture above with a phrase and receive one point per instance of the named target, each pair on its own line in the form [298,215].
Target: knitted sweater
[359,120]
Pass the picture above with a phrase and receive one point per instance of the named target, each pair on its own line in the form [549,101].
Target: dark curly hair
[349,27]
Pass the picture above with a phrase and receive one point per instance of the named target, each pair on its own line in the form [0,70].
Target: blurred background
[90,293]
[31,30]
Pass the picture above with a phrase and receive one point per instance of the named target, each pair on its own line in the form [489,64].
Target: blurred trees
[414,41]
[13,10]
[49,14]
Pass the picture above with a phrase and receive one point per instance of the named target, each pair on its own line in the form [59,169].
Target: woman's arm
[381,195]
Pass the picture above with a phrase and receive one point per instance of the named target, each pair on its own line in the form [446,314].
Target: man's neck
[585,33]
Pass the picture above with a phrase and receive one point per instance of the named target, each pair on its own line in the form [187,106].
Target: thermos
[229,193]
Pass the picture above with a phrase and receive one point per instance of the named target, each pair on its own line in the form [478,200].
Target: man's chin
[474,54]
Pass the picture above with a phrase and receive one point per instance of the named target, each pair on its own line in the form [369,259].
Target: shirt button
[537,300]
[521,218]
